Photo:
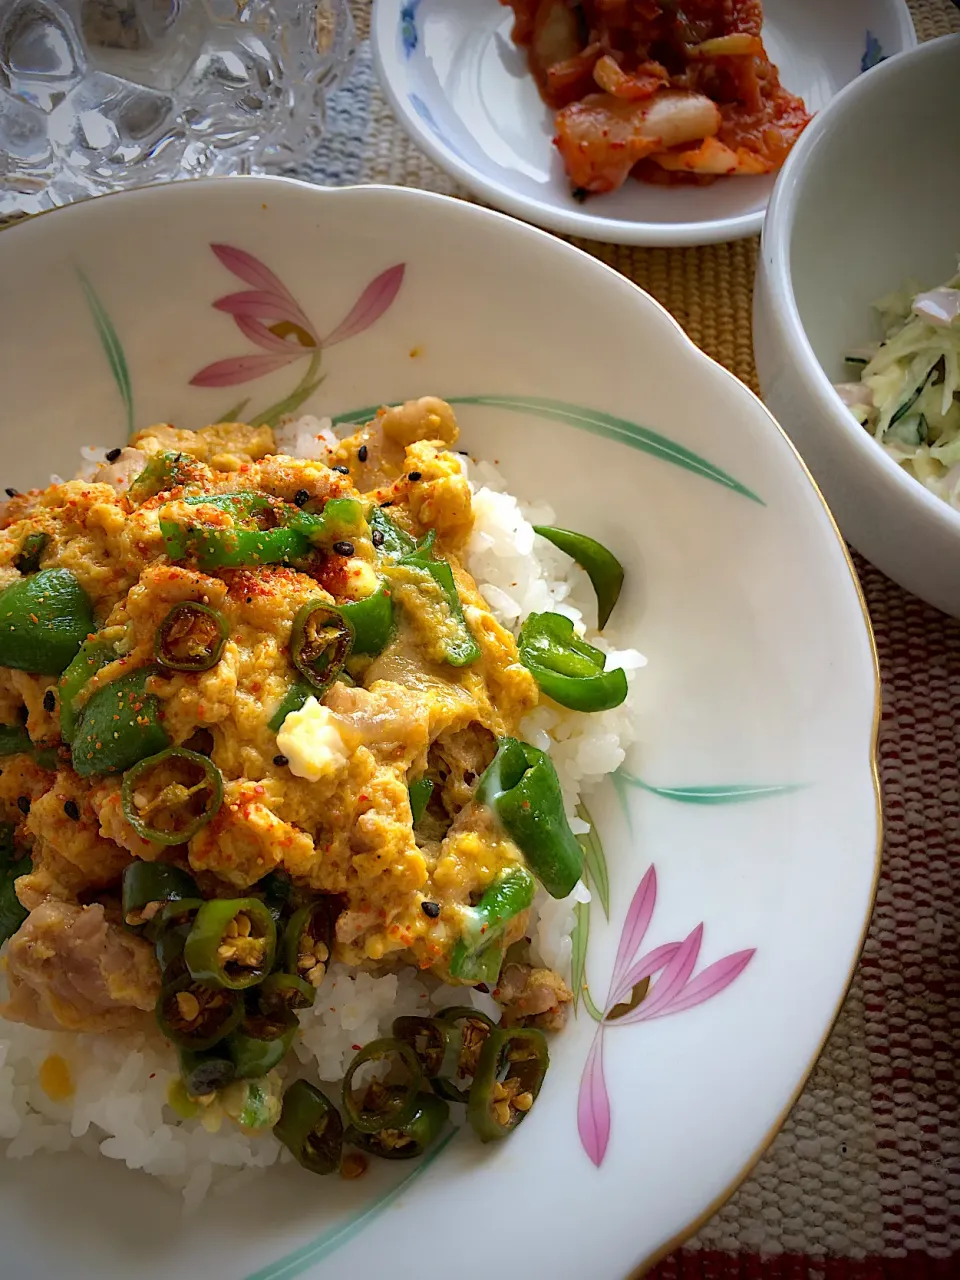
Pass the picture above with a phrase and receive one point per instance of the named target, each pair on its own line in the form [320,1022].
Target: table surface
[863,1181]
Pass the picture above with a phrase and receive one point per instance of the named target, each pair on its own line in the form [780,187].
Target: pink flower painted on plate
[268,316]
[652,985]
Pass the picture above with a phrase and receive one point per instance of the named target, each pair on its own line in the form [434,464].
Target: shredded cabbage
[910,385]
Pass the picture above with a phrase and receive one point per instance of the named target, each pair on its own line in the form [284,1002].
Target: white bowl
[867,201]
[461,89]
[759,705]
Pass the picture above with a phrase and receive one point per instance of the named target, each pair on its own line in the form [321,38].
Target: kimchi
[671,92]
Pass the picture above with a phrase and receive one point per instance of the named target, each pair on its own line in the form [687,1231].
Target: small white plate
[462,90]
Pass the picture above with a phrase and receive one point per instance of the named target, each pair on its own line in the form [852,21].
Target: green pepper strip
[163,471]
[602,567]
[119,725]
[310,1128]
[391,1107]
[219,1011]
[14,862]
[321,640]
[406,1141]
[94,655]
[478,954]
[435,1042]
[309,931]
[205,1071]
[459,646]
[263,530]
[566,668]
[146,883]
[15,741]
[391,542]
[31,549]
[44,619]
[518,1054]
[473,1028]
[420,792]
[370,619]
[522,788]
[286,992]
[300,690]
[179,808]
[260,1043]
[190,638]
[252,957]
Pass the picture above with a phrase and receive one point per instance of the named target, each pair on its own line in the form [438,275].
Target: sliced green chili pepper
[478,954]
[262,530]
[15,741]
[381,1107]
[286,992]
[405,1142]
[566,668]
[390,540]
[44,619]
[119,725]
[163,471]
[371,620]
[277,892]
[435,1042]
[260,1042]
[168,797]
[420,792]
[93,656]
[191,638]
[153,885]
[300,690]
[473,1028]
[31,549]
[308,938]
[320,643]
[194,1015]
[168,944]
[205,1071]
[14,862]
[602,567]
[310,1128]
[516,1060]
[232,943]
[459,646]
[521,786]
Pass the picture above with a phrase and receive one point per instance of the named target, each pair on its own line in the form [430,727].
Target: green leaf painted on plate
[303,1259]
[579,939]
[234,412]
[724,793]
[595,1013]
[594,861]
[613,428]
[112,347]
[291,403]
[356,415]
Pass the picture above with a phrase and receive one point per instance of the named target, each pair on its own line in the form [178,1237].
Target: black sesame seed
[23,804]
[415,475]
[113,454]
[280,761]
[431,909]
[72,809]
[11,493]
[301,498]
[386,504]
[344,471]
[362,453]
[377,538]
[343,548]
[49,700]
[482,988]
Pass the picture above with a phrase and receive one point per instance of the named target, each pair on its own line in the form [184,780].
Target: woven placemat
[863,1181]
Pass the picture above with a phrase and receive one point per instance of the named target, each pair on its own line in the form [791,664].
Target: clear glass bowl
[101,94]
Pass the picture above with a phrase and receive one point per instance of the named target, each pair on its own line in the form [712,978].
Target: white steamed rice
[119,1104]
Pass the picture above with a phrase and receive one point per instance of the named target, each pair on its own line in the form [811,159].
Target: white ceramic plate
[461,89]
[752,790]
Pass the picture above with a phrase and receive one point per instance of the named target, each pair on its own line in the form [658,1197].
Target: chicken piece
[425,419]
[533,998]
[43,726]
[124,469]
[602,137]
[70,969]
[440,499]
